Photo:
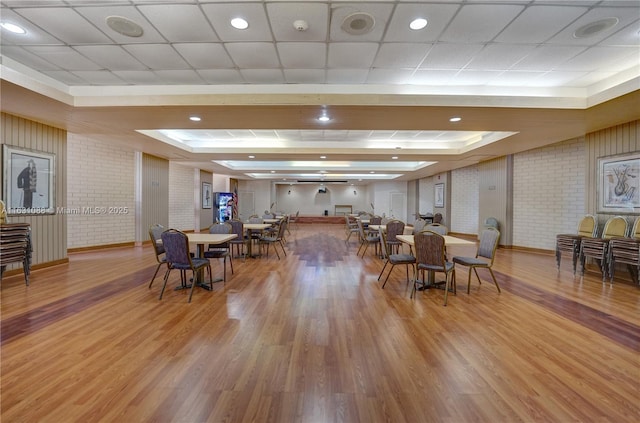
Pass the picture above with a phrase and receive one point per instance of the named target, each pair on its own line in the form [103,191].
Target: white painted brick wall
[548,193]
[100,176]
[181,197]
[464,199]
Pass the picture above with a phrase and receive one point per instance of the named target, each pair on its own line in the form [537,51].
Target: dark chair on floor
[278,238]
[155,233]
[570,243]
[393,259]
[367,238]
[394,228]
[351,226]
[437,218]
[176,248]
[240,242]
[598,248]
[485,255]
[626,251]
[430,257]
[221,251]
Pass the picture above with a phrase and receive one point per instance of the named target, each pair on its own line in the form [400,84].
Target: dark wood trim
[101,247]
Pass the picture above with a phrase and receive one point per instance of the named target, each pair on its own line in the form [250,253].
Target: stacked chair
[626,250]
[598,248]
[570,243]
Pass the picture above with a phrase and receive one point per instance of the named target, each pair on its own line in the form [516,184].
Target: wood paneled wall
[155,192]
[496,195]
[49,232]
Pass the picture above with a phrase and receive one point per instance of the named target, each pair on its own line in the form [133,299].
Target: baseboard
[18,271]
[101,247]
[321,219]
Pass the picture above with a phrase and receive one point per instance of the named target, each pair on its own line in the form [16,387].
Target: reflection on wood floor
[313,338]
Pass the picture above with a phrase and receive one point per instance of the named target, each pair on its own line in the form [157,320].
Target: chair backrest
[155,233]
[430,249]
[437,218]
[418,225]
[375,220]
[361,229]
[237,227]
[385,220]
[282,227]
[488,245]
[492,222]
[635,229]
[255,219]
[176,247]
[437,228]
[587,226]
[394,228]
[384,247]
[615,226]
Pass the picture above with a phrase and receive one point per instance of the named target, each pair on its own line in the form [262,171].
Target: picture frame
[207,200]
[619,184]
[438,195]
[29,181]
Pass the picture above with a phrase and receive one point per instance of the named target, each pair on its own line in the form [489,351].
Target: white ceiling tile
[220,15]
[447,56]
[352,55]
[101,77]
[627,36]
[263,76]
[283,15]
[475,77]
[400,55]
[477,23]
[304,76]
[380,12]
[591,78]
[431,77]
[65,77]
[204,55]
[347,76]
[179,77]
[111,57]
[547,57]
[34,3]
[65,24]
[515,78]
[556,78]
[253,55]
[139,77]
[539,23]
[27,58]
[499,56]
[389,76]
[626,15]
[437,16]
[179,22]
[221,76]
[303,55]
[34,35]
[602,59]
[157,56]
[63,57]
[98,15]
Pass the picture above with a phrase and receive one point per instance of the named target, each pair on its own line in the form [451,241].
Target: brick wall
[464,198]
[549,193]
[181,197]
[100,193]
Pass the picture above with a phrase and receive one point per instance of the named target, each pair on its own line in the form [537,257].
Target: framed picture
[29,181]
[207,201]
[439,195]
[619,183]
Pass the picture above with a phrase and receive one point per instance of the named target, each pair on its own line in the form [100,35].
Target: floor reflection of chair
[598,248]
[484,258]
[570,243]
[221,251]
[393,259]
[430,257]
[155,233]
[176,247]
[626,251]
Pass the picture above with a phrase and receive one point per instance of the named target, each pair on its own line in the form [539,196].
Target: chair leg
[193,285]
[283,250]
[388,274]
[164,285]
[494,279]
[155,274]
[231,262]
[382,271]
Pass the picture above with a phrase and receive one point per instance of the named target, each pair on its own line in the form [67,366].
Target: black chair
[155,233]
[221,251]
[430,257]
[176,248]
[393,259]
[484,256]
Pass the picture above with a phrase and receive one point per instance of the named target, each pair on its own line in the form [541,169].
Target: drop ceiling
[520,73]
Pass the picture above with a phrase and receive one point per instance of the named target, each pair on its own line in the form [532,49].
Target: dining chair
[626,250]
[430,257]
[570,243]
[484,258]
[351,226]
[240,241]
[393,259]
[221,251]
[176,248]
[598,248]
[394,228]
[367,238]
[437,218]
[155,233]
[437,228]
[419,225]
[277,238]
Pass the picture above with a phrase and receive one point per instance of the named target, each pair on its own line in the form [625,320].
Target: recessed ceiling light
[594,28]
[239,23]
[273,171]
[395,157]
[324,118]
[455,119]
[372,171]
[13,28]
[252,157]
[417,24]
[124,26]
[195,118]
[323,157]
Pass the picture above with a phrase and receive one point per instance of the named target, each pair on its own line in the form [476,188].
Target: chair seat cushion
[401,258]
[470,261]
[216,253]
[448,267]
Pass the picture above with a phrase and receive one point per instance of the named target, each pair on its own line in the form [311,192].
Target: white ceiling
[490,53]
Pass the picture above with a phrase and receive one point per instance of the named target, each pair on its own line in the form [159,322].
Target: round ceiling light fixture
[358,23]
[594,28]
[13,28]
[418,24]
[239,23]
[124,26]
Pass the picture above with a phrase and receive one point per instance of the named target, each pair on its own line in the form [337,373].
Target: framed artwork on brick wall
[438,201]
[619,184]
[29,181]
[207,201]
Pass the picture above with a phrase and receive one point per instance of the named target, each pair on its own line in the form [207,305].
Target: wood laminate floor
[313,338]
